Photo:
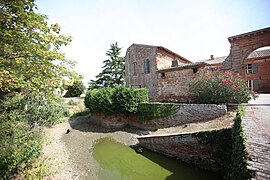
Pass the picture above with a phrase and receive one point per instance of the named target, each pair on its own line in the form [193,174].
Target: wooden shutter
[255,85]
[255,68]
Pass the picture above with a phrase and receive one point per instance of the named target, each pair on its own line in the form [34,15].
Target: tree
[113,71]
[76,89]
[30,57]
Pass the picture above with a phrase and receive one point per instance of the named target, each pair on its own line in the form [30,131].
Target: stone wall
[174,85]
[187,113]
[195,148]
[135,75]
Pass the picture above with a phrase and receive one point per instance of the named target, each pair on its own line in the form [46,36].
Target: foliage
[75,90]
[239,157]
[115,100]
[128,99]
[220,142]
[149,111]
[113,70]
[19,146]
[30,57]
[20,136]
[220,87]
[72,103]
[33,108]
[80,113]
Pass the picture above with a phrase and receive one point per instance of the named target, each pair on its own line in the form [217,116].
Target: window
[250,84]
[163,75]
[253,84]
[134,69]
[195,70]
[146,66]
[251,68]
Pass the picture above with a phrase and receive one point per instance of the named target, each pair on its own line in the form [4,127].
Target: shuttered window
[146,66]
[252,68]
[255,85]
[255,68]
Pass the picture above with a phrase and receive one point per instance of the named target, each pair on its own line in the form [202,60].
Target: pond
[120,162]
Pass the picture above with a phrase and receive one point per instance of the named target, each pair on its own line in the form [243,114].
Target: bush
[220,87]
[20,137]
[19,145]
[115,100]
[75,90]
[35,109]
[239,157]
[149,111]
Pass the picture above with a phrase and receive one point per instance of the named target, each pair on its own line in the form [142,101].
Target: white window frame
[250,84]
[249,68]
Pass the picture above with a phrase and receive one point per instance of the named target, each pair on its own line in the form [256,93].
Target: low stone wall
[207,150]
[109,121]
[187,113]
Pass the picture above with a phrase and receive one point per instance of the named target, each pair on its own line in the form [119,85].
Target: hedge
[115,100]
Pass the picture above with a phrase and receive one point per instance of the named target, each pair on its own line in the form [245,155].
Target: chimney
[212,57]
[174,63]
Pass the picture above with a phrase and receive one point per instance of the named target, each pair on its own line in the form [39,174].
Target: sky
[194,29]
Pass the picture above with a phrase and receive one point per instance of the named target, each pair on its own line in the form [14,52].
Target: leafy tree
[30,57]
[75,90]
[113,71]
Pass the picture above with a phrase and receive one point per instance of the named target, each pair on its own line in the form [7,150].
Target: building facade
[167,75]
[142,63]
[256,69]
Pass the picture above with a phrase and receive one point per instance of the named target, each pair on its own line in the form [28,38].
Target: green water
[120,162]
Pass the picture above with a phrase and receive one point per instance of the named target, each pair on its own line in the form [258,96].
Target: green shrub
[72,103]
[128,99]
[220,87]
[239,157]
[149,111]
[115,100]
[20,136]
[75,90]
[35,109]
[19,146]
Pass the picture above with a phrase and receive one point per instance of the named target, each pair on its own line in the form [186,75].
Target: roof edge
[249,33]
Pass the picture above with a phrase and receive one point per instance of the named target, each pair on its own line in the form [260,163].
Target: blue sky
[192,28]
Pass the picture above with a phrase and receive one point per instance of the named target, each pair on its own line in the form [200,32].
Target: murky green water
[120,162]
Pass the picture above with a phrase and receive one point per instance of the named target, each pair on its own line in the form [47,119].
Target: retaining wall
[187,113]
[207,150]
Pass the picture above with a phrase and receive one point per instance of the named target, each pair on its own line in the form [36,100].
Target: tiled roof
[216,60]
[163,48]
[259,54]
[254,54]
[185,66]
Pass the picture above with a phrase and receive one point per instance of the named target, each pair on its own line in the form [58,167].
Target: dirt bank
[71,154]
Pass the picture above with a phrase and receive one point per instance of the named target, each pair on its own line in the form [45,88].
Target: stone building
[167,75]
[164,73]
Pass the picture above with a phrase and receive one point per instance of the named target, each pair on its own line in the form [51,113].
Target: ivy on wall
[155,110]
[239,158]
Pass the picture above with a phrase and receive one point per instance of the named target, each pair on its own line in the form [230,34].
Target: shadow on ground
[83,123]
